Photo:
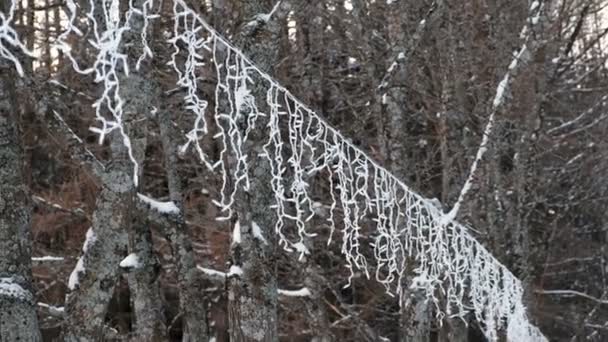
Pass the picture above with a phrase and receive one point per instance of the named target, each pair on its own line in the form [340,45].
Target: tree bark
[191,300]
[18,321]
[252,295]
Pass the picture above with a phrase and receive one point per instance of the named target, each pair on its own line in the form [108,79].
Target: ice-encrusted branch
[519,59]
[300,148]
[10,43]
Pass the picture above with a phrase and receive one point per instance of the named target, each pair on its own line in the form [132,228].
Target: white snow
[48,258]
[74,278]
[162,207]
[236,233]
[303,292]
[89,240]
[257,232]
[131,261]
[401,56]
[53,310]
[500,91]
[534,5]
[301,248]
[211,272]
[235,271]
[9,288]
[392,67]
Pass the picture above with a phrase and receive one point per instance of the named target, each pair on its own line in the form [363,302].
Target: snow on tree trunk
[18,321]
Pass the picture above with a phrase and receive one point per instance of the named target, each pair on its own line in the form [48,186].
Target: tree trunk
[252,296]
[191,300]
[18,320]
[92,282]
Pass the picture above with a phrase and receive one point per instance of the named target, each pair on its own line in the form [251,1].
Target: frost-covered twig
[520,59]
[572,293]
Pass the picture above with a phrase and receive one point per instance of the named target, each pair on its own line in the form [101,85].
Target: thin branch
[572,293]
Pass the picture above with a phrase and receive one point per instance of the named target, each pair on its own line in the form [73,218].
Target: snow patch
[234,271]
[74,278]
[131,261]
[162,207]
[303,292]
[236,233]
[257,232]
[9,288]
[48,258]
[301,248]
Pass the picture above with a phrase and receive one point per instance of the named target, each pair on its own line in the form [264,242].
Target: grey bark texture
[191,300]
[18,321]
[252,296]
[144,285]
[87,304]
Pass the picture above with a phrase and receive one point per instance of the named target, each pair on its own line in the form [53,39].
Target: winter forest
[303,170]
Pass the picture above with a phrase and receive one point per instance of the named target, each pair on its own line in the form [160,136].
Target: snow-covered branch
[216,275]
[167,208]
[519,60]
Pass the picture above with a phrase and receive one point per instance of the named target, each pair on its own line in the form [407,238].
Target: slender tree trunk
[18,320]
[315,307]
[191,300]
[144,284]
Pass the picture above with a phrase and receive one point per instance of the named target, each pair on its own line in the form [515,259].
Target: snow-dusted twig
[572,293]
[519,60]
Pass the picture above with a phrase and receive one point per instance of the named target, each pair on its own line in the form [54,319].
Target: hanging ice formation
[301,147]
